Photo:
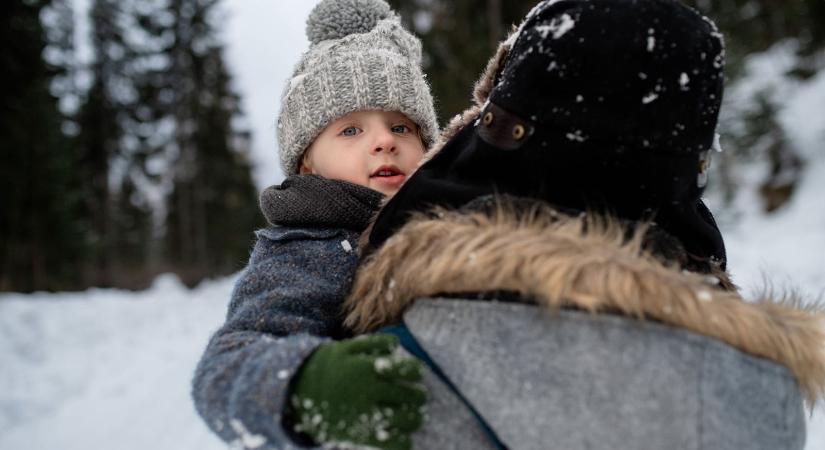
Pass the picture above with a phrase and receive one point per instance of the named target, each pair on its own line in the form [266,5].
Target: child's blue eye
[349,131]
[400,129]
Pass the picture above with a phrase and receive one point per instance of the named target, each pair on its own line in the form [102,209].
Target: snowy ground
[106,369]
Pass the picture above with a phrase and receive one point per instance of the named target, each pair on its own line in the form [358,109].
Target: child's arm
[284,305]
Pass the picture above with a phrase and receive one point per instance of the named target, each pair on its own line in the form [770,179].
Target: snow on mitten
[359,391]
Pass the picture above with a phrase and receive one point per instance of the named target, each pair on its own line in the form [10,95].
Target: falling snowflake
[704,296]
[558,26]
[649,98]
[576,136]
[247,439]
[684,80]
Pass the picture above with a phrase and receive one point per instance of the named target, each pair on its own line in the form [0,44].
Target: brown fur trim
[583,262]
[487,81]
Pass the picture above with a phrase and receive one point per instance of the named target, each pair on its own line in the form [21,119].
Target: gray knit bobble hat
[360,57]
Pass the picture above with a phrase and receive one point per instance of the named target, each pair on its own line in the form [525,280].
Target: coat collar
[580,262]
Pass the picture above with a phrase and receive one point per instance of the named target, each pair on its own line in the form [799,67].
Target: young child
[355,120]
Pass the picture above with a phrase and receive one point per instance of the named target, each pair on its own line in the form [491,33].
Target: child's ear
[306,166]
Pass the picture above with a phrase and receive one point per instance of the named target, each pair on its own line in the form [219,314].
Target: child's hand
[359,391]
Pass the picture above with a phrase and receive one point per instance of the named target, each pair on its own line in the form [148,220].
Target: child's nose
[384,141]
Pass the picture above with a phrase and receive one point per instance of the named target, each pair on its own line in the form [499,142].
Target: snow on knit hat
[360,58]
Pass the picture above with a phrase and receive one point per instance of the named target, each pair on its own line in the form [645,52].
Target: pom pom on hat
[334,19]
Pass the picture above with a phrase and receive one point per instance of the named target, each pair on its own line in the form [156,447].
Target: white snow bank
[106,368]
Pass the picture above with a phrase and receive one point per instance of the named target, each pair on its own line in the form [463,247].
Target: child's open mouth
[388,174]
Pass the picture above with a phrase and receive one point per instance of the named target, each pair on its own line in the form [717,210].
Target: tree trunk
[494,20]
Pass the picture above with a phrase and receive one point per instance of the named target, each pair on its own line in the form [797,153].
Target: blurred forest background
[129,167]
[138,163]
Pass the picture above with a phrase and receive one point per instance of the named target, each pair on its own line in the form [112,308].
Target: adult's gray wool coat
[607,348]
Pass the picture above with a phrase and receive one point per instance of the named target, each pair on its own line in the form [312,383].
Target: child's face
[376,149]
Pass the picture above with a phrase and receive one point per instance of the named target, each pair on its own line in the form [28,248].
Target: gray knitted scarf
[314,201]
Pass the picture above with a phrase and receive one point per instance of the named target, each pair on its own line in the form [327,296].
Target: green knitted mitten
[359,391]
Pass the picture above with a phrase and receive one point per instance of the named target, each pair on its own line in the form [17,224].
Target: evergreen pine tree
[40,235]
[111,155]
[212,207]
[99,140]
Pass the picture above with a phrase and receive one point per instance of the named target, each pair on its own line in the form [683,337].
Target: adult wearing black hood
[599,116]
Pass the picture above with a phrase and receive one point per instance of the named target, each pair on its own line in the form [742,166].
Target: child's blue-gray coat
[284,305]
